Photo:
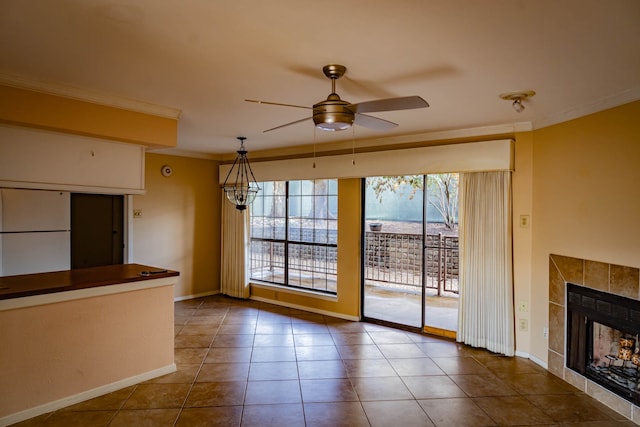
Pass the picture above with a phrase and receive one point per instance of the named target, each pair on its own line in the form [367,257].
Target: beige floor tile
[111,401]
[263,371]
[274,415]
[79,419]
[157,396]
[219,416]
[335,414]
[229,355]
[371,368]
[318,369]
[185,374]
[456,412]
[269,392]
[360,352]
[513,411]
[396,413]
[415,367]
[317,353]
[572,408]
[215,372]
[186,356]
[385,388]
[460,366]
[328,390]
[227,393]
[482,385]
[433,387]
[307,340]
[145,418]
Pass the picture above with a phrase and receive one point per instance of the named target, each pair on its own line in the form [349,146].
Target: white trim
[522,354]
[539,361]
[70,187]
[85,395]
[92,96]
[615,100]
[306,308]
[184,153]
[128,223]
[194,296]
[22,302]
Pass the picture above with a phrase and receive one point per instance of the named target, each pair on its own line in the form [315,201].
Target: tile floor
[245,363]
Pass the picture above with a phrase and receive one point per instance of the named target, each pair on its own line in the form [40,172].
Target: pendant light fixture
[244,189]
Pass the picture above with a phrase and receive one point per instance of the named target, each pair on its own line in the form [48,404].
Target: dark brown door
[97,225]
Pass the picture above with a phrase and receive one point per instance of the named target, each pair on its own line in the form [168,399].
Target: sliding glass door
[410,251]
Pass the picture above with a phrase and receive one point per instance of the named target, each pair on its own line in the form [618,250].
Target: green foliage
[442,191]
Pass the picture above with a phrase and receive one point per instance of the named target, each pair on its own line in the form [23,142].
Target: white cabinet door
[33,158]
[34,210]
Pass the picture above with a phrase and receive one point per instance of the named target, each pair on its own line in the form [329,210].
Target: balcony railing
[397,259]
[392,258]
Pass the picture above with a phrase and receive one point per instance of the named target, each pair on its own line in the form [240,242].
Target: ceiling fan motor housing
[333,114]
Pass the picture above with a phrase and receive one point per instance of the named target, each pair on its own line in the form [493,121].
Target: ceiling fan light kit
[517,98]
[334,114]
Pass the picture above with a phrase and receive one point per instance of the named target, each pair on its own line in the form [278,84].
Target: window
[294,234]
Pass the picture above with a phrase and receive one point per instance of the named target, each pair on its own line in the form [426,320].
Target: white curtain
[486,314]
[234,275]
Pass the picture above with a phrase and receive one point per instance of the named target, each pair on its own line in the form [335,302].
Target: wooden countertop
[61,281]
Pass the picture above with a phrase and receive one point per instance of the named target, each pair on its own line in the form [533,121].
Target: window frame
[323,269]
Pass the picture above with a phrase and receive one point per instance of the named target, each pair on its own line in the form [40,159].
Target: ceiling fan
[334,113]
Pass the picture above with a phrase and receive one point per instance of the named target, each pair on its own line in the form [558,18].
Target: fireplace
[602,339]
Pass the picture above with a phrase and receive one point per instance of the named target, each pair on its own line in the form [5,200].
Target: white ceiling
[204,57]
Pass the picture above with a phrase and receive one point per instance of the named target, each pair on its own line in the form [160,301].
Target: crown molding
[94,97]
[602,104]
[186,153]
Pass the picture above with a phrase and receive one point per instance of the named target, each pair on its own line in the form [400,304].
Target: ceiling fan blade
[374,123]
[390,104]
[287,124]
[277,103]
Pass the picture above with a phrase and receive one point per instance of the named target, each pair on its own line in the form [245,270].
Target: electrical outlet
[137,213]
[524,221]
[545,333]
[524,306]
[523,325]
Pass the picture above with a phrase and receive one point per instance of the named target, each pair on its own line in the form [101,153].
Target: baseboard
[539,362]
[85,395]
[194,296]
[305,308]
[522,354]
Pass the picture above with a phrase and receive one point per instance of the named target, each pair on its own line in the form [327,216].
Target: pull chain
[353,145]
[314,147]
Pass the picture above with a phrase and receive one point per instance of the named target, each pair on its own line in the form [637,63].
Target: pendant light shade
[240,185]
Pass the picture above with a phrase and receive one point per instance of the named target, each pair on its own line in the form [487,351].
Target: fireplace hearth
[602,339]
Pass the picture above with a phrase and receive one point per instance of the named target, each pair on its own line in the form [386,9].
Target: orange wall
[586,199]
[180,224]
[347,304]
[36,109]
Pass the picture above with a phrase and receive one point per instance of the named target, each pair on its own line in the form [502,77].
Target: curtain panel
[486,313]
[234,269]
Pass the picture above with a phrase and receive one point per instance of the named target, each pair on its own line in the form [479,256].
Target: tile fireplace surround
[611,278]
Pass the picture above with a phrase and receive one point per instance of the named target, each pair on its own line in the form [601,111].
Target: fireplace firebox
[602,339]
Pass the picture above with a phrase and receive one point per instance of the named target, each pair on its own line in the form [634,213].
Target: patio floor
[403,307]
